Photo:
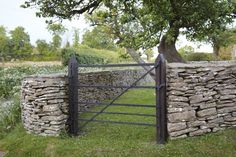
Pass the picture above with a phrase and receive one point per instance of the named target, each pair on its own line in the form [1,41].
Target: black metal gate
[160,87]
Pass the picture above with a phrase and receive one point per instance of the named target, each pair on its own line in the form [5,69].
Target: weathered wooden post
[73,96]
[161,111]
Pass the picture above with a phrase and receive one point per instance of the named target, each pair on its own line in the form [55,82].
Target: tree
[42,47]
[20,42]
[185,51]
[144,24]
[67,44]
[56,30]
[4,44]
[76,38]
[220,39]
[149,53]
[98,38]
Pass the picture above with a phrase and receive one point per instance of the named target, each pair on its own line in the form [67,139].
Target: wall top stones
[55,75]
[203,64]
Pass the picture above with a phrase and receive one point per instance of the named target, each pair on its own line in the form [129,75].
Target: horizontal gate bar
[114,65]
[116,122]
[130,105]
[105,86]
[118,96]
[123,113]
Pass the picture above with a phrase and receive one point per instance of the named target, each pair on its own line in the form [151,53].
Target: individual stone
[182,116]
[227,91]
[212,117]
[53,118]
[217,129]
[196,123]
[196,99]
[50,108]
[227,97]
[176,93]
[173,110]
[199,132]
[176,126]
[207,112]
[207,105]
[178,137]
[217,120]
[234,114]
[225,105]
[178,98]
[181,132]
[227,109]
[209,93]
[199,104]
[230,119]
[177,104]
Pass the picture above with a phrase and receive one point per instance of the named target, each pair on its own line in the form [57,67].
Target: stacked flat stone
[107,78]
[44,104]
[201,98]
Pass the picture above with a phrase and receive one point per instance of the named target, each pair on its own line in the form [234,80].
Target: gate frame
[160,86]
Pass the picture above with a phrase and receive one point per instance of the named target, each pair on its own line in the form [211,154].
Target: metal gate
[75,123]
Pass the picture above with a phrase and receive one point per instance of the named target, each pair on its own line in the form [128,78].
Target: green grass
[108,140]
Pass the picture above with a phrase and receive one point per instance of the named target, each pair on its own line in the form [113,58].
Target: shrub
[200,57]
[10,115]
[82,57]
[10,78]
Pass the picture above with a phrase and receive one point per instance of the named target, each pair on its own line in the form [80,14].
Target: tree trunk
[216,50]
[138,59]
[168,49]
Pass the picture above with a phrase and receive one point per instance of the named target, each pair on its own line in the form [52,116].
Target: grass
[108,140]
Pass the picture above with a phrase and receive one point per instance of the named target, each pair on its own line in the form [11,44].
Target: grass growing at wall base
[119,140]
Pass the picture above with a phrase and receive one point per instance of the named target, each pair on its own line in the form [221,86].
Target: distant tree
[222,39]
[76,38]
[67,44]
[185,51]
[56,30]
[4,44]
[42,46]
[98,38]
[20,42]
[149,53]
[56,41]
[3,31]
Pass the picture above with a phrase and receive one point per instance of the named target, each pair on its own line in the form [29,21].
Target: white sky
[12,16]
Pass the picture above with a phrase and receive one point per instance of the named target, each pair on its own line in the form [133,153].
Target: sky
[12,16]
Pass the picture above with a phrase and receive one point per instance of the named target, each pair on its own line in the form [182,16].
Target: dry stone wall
[45,98]
[201,98]
[44,104]
[106,78]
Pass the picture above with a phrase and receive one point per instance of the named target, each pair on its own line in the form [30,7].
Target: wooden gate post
[73,96]
[161,111]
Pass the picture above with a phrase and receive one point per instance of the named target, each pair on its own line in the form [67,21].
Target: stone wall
[108,78]
[45,98]
[44,104]
[201,98]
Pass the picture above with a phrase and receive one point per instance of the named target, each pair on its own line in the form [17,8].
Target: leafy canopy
[150,18]
[145,23]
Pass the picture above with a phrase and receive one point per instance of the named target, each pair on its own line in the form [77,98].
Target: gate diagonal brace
[103,109]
